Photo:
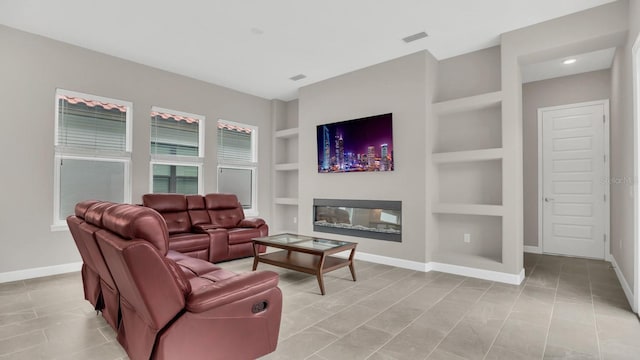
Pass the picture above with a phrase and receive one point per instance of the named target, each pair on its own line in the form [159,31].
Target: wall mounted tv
[358,145]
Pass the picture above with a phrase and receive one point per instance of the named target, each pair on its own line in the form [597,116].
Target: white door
[574,173]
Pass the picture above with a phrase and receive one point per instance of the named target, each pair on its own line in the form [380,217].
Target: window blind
[234,144]
[174,136]
[96,128]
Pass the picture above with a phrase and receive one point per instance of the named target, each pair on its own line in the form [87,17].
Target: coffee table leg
[255,257]
[353,270]
[319,274]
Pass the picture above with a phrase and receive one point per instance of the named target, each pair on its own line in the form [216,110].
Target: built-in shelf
[468,209]
[286,201]
[465,156]
[468,103]
[287,167]
[286,133]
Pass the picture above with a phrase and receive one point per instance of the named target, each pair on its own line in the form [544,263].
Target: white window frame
[63,153]
[177,160]
[253,166]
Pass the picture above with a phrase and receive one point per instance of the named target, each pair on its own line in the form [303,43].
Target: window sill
[59,227]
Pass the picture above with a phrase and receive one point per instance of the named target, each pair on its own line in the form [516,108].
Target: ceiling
[591,61]
[255,46]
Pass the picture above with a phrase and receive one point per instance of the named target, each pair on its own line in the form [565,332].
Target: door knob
[547,199]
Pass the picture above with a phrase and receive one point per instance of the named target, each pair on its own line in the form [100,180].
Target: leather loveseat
[169,305]
[210,227]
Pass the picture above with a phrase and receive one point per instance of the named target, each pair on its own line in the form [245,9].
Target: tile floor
[566,309]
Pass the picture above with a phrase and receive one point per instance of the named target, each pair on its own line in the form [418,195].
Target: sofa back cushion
[225,210]
[173,207]
[137,222]
[197,210]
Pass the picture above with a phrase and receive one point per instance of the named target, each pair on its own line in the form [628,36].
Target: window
[92,151]
[237,163]
[176,151]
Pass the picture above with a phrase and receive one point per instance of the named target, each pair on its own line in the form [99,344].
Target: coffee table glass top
[302,241]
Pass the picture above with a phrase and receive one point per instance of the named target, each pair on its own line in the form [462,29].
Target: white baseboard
[533,249]
[507,278]
[625,286]
[386,260]
[39,272]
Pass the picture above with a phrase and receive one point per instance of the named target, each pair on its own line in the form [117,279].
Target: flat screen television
[357,145]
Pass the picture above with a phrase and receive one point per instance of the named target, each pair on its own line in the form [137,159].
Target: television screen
[356,145]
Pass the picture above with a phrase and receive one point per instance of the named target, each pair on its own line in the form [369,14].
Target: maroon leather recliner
[177,307]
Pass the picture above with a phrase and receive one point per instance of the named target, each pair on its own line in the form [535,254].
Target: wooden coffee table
[305,254]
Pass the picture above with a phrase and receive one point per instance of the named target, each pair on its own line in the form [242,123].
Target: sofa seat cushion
[192,267]
[188,242]
[211,277]
[242,235]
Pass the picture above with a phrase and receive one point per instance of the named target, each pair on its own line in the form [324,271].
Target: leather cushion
[227,219]
[187,242]
[221,201]
[94,214]
[82,207]
[242,235]
[137,222]
[165,202]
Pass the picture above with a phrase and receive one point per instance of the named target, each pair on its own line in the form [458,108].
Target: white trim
[607,152]
[39,272]
[625,285]
[514,279]
[386,260]
[635,60]
[533,249]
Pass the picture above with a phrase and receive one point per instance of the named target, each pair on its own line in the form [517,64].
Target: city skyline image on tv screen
[358,145]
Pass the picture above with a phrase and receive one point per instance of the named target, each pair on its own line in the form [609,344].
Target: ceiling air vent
[298,77]
[414,37]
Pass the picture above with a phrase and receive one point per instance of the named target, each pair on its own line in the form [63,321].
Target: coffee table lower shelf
[306,263]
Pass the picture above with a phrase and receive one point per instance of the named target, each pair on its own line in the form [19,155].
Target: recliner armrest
[251,223]
[230,290]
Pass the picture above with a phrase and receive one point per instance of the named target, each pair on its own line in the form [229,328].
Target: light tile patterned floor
[567,308]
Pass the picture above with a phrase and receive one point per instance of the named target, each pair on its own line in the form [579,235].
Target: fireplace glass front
[364,218]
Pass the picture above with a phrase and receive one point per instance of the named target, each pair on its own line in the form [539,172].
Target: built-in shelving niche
[477,182]
[476,129]
[484,248]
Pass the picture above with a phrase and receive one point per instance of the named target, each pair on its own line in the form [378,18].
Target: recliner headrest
[137,222]
[165,202]
[81,208]
[195,202]
[94,213]
[221,201]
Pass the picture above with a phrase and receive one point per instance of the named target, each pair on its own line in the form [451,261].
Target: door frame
[635,61]
[606,173]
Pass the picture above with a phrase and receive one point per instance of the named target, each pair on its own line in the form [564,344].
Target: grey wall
[622,149]
[584,87]
[403,87]
[31,68]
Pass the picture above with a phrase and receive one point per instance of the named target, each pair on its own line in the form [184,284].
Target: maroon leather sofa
[170,305]
[210,227]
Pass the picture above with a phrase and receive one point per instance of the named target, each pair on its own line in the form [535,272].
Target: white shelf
[286,167]
[286,201]
[466,156]
[286,133]
[468,209]
[468,103]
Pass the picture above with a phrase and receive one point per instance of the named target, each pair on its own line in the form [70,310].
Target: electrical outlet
[467,238]
[295,219]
